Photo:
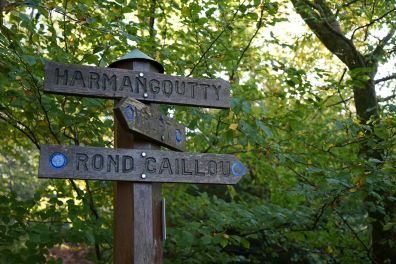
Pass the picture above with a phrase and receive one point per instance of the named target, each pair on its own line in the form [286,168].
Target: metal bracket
[163,219]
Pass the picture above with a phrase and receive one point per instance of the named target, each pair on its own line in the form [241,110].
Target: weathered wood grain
[150,122]
[137,205]
[71,79]
[139,165]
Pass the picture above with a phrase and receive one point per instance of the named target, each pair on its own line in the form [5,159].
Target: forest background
[312,116]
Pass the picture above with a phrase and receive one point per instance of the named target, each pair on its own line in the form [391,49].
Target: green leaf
[388,226]
[246,107]
[253,15]
[267,131]
[392,108]
[206,239]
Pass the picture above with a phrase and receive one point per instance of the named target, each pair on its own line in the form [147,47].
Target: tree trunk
[362,69]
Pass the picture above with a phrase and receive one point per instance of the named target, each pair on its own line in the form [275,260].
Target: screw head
[141,74]
[143,154]
[145,95]
[143,176]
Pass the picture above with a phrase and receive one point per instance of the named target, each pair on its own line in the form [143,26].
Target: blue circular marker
[179,137]
[58,160]
[129,113]
[238,169]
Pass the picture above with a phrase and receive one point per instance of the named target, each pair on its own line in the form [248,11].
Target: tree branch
[1,12]
[328,30]
[215,137]
[259,25]
[366,248]
[383,42]
[340,94]
[198,43]
[371,22]
[390,77]
[152,17]
[16,124]
[344,5]
[40,101]
[323,7]
[390,97]
[343,101]
[214,41]
[95,213]
[64,26]
[304,179]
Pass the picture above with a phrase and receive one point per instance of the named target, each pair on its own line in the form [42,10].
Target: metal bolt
[145,95]
[141,74]
[143,176]
[162,138]
[143,154]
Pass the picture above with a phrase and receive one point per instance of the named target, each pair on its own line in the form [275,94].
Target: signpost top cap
[138,55]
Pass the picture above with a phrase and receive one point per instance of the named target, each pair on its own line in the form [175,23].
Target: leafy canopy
[292,122]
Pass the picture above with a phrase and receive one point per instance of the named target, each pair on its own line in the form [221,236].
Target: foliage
[292,122]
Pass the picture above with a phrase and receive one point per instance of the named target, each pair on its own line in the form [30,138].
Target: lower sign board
[150,122]
[74,162]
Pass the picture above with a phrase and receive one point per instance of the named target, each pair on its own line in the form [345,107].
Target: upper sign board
[93,163]
[144,86]
[148,121]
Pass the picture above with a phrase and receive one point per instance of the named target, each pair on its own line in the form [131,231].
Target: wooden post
[137,206]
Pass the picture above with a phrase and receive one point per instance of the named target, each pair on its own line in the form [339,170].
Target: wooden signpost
[149,122]
[138,206]
[136,165]
[93,163]
[70,79]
